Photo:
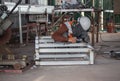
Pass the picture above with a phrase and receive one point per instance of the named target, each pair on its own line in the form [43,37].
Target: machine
[5,23]
[5,34]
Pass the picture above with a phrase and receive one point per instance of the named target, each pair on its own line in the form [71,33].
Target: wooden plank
[63,50]
[45,41]
[62,55]
[62,45]
[46,37]
[61,62]
[12,70]
[74,10]
[91,57]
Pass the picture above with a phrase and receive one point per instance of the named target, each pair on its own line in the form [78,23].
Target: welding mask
[84,22]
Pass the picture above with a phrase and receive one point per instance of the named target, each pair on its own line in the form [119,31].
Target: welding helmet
[84,22]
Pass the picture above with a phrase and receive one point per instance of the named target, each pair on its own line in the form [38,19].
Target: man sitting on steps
[68,32]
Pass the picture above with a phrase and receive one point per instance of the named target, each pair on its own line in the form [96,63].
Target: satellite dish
[85,22]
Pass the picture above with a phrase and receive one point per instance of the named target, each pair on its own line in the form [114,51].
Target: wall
[23,1]
[58,2]
[43,2]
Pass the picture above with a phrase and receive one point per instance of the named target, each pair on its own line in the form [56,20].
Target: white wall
[33,1]
[23,1]
[43,2]
[58,2]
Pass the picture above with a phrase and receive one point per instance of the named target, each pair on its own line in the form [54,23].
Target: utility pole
[82,13]
[101,15]
[27,15]
[93,24]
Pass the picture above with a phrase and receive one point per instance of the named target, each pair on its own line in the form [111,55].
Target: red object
[6,36]
[110,27]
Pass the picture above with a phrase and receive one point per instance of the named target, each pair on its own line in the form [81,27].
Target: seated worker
[69,33]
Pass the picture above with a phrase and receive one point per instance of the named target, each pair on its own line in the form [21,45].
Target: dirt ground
[104,69]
